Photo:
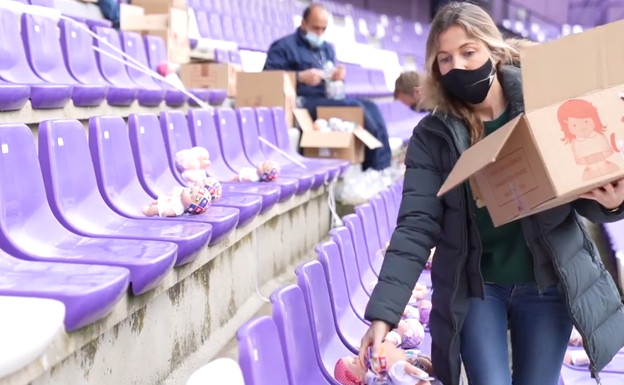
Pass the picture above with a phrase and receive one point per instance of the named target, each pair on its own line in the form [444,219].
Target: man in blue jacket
[306,53]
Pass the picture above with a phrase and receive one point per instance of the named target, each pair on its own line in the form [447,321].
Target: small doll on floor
[420,292]
[576,358]
[430,260]
[192,164]
[411,312]
[194,200]
[266,171]
[424,311]
[409,334]
[394,367]
[169,71]
[575,338]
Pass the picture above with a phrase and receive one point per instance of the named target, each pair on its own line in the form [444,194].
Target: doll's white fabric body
[248,174]
[191,176]
[396,376]
[173,202]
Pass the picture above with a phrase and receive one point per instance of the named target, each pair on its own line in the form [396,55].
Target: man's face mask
[314,39]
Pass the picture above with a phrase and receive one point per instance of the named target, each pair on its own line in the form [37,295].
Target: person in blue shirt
[306,53]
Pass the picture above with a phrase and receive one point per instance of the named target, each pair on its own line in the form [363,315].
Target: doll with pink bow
[193,200]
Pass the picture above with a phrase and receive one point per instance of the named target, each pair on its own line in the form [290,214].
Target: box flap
[572,66]
[367,138]
[304,119]
[476,158]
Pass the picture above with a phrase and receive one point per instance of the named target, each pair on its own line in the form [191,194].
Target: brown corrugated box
[570,137]
[267,89]
[210,75]
[338,145]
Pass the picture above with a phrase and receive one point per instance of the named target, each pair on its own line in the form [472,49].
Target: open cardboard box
[267,89]
[569,139]
[339,145]
[210,75]
[172,27]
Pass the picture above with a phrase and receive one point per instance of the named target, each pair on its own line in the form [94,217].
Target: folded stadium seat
[235,58]
[114,71]
[248,126]
[156,176]
[13,96]
[238,30]
[228,29]
[296,338]
[260,353]
[89,292]
[213,6]
[193,43]
[371,236]
[217,30]
[377,79]
[328,346]
[350,326]
[156,54]
[77,47]
[203,26]
[368,272]
[266,130]
[89,22]
[282,141]
[203,133]
[133,46]
[14,68]
[73,194]
[228,135]
[43,50]
[221,56]
[250,33]
[31,232]
[120,186]
[356,81]
[178,137]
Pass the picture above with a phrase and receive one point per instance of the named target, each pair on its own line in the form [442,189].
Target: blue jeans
[540,328]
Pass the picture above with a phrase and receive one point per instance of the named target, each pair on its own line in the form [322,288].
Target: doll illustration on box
[193,200]
[266,171]
[585,132]
[192,164]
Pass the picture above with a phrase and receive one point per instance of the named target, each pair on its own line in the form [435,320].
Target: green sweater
[506,257]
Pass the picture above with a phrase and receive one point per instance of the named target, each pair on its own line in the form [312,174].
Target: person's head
[314,23]
[464,49]
[408,89]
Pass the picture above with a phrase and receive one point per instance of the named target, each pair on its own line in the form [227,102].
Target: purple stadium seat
[114,71]
[216,28]
[238,30]
[13,96]
[251,37]
[381,219]
[371,236]
[266,129]
[90,22]
[202,24]
[177,137]
[260,353]
[79,56]
[89,292]
[157,178]
[156,54]
[377,79]
[282,141]
[356,285]
[235,58]
[295,333]
[329,348]
[73,194]
[228,135]
[248,128]
[14,68]
[391,218]
[31,232]
[203,132]
[221,56]
[228,28]
[133,46]
[43,50]
[368,274]
[120,187]
[350,326]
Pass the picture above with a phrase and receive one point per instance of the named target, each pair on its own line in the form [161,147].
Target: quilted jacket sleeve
[595,213]
[417,231]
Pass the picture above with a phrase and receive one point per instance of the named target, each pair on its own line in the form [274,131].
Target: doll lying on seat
[409,334]
[192,164]
[266,171]
[193,200]
[395,367]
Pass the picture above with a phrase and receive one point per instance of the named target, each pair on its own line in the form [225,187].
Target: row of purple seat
[400,119]
[365,82]
[50,72]
[88,21]
[321,318]
[78,202]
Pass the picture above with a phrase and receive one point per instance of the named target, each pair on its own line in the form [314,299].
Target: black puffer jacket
[563,252]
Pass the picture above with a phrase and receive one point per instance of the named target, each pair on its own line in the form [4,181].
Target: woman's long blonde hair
[478,25]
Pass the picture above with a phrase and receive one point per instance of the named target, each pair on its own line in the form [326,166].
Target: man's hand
[311,77]
[339,73]
[610,196]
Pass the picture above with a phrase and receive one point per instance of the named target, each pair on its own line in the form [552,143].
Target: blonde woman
[537,276]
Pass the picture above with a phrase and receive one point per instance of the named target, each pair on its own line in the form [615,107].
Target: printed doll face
[581,128]
[353,364]
[204,161]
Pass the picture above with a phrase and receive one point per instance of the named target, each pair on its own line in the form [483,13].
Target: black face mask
[471,86]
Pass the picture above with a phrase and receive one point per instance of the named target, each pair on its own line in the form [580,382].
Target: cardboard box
[567,143]
[210,75]
[160,6]
[338,145]
[267,89]
[171,26]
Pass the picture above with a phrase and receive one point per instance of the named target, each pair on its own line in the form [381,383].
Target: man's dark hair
[309,9]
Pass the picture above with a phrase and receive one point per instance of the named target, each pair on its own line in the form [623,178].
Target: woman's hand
[609,196]
[374,336]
